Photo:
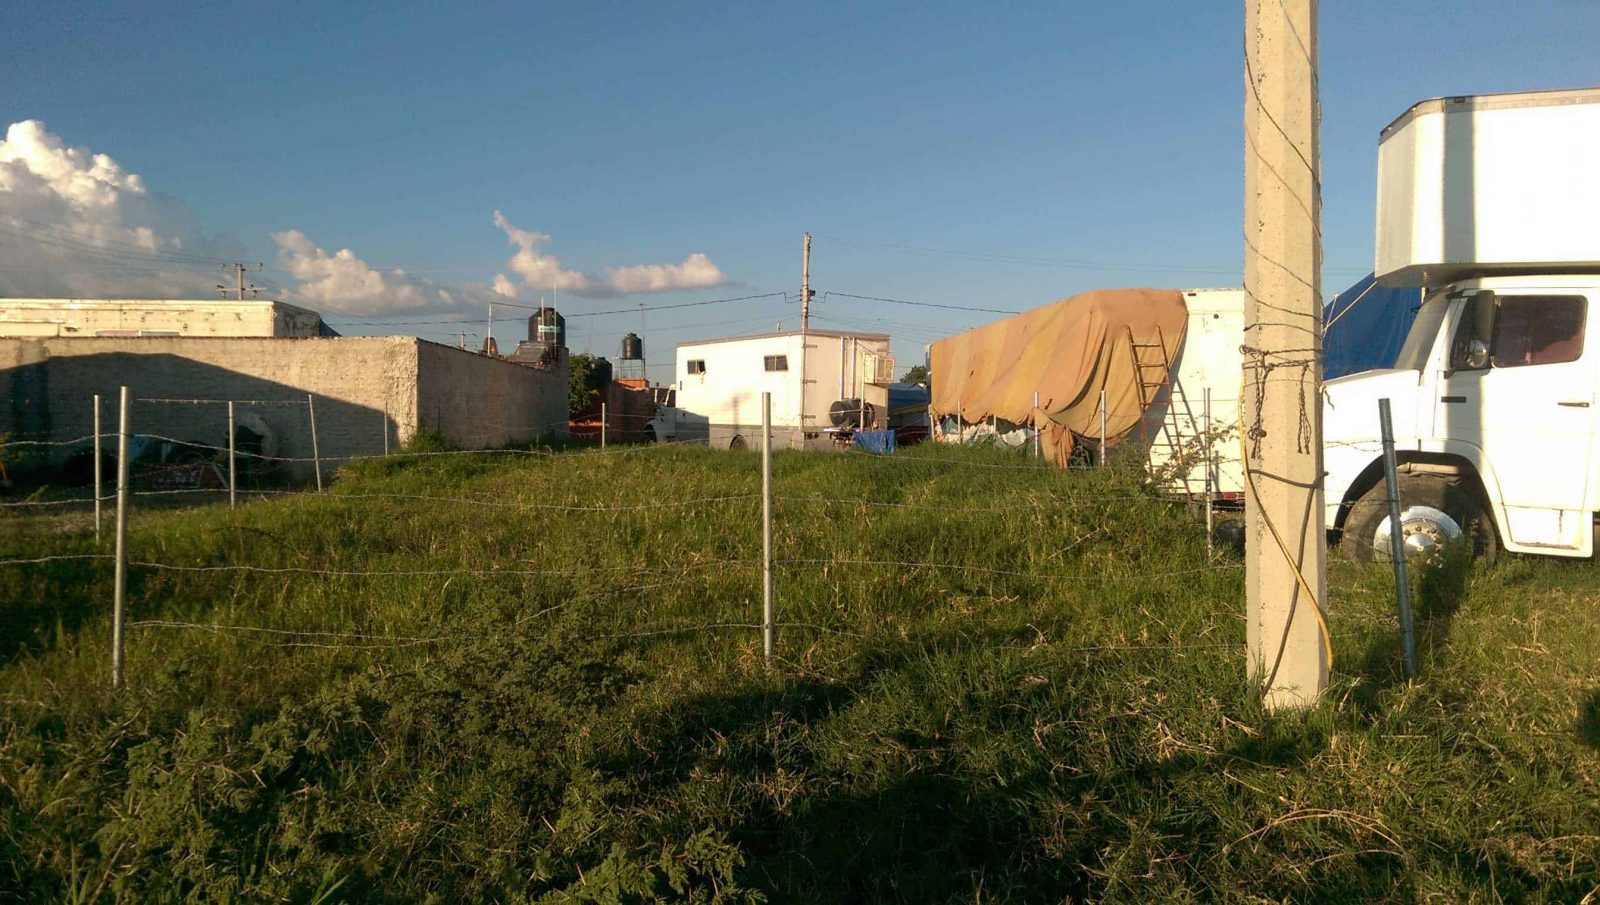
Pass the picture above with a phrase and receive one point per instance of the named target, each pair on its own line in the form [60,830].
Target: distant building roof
[836,334]
[34,317]
[150,303]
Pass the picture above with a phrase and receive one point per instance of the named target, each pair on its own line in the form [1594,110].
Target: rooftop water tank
[548,326]
[632,348]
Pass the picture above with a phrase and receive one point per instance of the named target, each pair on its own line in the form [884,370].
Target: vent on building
[878,370]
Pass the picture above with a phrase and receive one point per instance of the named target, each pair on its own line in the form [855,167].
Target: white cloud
[540,271]
[696,272]
[343,283]
[75,223]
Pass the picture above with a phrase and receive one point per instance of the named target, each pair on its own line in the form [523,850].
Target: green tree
[581,387]
[917,374]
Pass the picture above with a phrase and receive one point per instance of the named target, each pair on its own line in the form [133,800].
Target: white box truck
[1488,203]
[812,376]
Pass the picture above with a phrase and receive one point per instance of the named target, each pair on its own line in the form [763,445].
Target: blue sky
[927,147]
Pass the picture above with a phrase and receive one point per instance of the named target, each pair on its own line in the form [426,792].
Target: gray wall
[365,387]
[479,402]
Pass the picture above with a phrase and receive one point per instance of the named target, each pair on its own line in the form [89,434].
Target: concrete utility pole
[805,286]
[1285,577]
[805,335]
[240,268]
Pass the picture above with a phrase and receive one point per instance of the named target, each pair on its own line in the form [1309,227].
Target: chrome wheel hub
[1424,532]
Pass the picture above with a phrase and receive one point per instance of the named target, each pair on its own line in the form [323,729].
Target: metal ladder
[1154,370]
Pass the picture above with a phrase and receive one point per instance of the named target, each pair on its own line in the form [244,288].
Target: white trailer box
[1209,360]
[720,382]
[1492,184]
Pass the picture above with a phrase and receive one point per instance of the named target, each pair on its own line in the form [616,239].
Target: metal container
[1493,184]
[548,326]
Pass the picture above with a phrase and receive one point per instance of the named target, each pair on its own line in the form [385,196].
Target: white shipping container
[1491,184]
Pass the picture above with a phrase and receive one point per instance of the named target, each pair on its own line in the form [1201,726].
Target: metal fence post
[316,453]
[1102,428]
[120,588]
[233,472]
[602,425]
[1397,542]
[97,469]
[766,527]
[1210,443]
[1036,424]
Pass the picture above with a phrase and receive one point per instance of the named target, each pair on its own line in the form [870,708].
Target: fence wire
[642,591]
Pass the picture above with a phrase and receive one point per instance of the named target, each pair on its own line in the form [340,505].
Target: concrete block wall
[366,389]
[476,401]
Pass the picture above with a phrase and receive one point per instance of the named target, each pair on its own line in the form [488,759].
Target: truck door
[1520,385]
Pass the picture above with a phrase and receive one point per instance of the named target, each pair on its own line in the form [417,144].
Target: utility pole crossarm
[240,268]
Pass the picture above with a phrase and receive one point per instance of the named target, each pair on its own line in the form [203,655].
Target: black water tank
[632,348]
[548,326]
[851,413]
[600,374]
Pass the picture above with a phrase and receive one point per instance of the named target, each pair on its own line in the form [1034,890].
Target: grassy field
[995,684]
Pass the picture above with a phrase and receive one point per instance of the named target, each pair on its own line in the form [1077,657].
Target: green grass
[605,730]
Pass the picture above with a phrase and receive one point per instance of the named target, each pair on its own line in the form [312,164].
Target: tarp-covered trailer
[1152,352]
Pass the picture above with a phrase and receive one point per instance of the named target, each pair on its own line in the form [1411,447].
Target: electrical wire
[874,298]
[569,316]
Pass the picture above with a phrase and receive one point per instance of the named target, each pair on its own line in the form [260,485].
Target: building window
[697,366]
[777,362]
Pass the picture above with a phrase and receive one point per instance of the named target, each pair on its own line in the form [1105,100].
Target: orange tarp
[1067,352]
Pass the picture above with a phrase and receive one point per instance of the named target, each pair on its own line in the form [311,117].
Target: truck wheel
[1434,510]
[737,443]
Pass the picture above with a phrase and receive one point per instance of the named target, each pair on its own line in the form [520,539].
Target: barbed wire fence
[776,568]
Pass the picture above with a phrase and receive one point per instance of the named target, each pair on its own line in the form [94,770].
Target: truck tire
[737,444]
[1453,497]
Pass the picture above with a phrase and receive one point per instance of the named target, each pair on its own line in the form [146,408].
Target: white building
[720,382]
[156,317]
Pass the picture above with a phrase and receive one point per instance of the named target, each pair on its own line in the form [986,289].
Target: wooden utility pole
[1285,578]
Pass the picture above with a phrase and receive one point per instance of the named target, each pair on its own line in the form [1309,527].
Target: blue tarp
[879,443]
[907,395]
[1366,326]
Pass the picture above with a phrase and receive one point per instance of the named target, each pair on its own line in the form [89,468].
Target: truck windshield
[1419,342]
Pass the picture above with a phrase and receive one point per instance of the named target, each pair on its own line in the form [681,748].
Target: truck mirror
[1477,356]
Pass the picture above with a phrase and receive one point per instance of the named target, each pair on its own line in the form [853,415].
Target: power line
[873,298]
[742,298]
[110,255]
[1030,261]
[634,310]
[115,246]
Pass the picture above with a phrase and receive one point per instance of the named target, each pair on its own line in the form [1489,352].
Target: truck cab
[1493,400]
[1486,203]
